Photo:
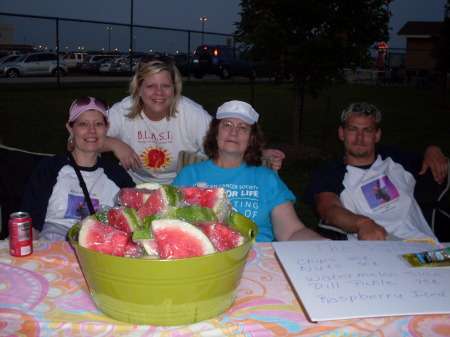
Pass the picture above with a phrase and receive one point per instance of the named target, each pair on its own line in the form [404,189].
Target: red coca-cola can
[20,234]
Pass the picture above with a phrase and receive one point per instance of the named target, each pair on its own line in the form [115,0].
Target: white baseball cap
[238,109]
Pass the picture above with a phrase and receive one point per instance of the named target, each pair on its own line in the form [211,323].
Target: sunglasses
[164,59]
[83,101]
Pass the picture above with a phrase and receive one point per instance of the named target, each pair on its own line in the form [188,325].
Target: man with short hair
[370,192]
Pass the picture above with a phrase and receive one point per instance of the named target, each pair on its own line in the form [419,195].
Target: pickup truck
[74,60]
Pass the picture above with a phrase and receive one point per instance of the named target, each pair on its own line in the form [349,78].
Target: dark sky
[185,14]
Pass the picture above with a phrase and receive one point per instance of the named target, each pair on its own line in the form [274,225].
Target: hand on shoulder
[275,156]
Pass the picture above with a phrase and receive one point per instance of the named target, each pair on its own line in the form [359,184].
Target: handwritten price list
[353,279]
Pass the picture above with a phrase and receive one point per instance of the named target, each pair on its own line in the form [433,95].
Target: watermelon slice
[192,214]
[173,194]
[165,198]
[142,234]
[195,214]
[222,237]
[137,196]
[215,198]
[148,186]
[134,197]
[178,239]
[102,238]
[124,219]
[133,249]
[101,216]
[145,238]
[192,195]
[150,247]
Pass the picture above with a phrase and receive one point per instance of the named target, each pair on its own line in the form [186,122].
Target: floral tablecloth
[45,294]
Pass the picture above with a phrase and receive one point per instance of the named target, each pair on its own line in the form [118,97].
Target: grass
[34,120]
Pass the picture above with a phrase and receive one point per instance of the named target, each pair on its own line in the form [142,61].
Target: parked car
[74,60]
[8,59]
[35,64]
[95,66]
[126,68]
[122,66]
[222,61]
[92,62]
[107,66]
[116,65]
[182,63]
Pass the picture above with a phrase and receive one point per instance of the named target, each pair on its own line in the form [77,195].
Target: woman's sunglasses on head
[83,101]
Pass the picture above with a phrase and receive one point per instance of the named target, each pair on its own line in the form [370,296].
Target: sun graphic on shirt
[155,158]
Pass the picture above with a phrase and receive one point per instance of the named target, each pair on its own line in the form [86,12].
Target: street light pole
[109,39]
[203,27]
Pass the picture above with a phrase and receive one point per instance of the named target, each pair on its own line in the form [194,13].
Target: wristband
[359,224]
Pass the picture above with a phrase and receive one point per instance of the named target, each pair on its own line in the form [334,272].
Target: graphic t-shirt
[384,191]
[158,143]
[254,191]
[54,196]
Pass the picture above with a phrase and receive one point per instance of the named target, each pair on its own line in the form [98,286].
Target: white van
[74,60]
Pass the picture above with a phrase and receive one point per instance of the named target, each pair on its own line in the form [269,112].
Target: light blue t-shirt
[254,191]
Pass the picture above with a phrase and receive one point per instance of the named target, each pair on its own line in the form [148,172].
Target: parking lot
[74,77]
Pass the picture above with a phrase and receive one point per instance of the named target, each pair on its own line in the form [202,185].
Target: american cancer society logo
[379,192]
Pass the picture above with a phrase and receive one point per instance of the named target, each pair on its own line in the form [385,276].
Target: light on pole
[203,27]
[109,39]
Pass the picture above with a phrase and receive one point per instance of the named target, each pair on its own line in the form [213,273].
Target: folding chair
[186,158]
[16,167]
[433,200]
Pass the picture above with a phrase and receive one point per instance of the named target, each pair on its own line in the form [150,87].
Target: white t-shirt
[385,192]
[158,143]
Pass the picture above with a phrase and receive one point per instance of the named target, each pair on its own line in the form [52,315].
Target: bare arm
[331,210]
[435,160]
[125,153]
[288,227]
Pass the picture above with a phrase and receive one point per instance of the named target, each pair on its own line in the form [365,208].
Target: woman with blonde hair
[152,125]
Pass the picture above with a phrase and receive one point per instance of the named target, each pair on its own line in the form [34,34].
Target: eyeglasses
[83,101]
[241,128]
[164,59]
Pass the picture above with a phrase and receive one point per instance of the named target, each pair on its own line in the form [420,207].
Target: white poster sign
[354,279]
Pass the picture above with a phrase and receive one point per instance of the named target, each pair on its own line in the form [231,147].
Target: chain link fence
[67,37]
[70,38]
[411,68]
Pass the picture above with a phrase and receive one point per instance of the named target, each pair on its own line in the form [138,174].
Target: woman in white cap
[151,126]
[54,197]
[234,144]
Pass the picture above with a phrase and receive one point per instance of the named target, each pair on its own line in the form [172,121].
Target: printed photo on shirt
[77,207]
[379,191]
